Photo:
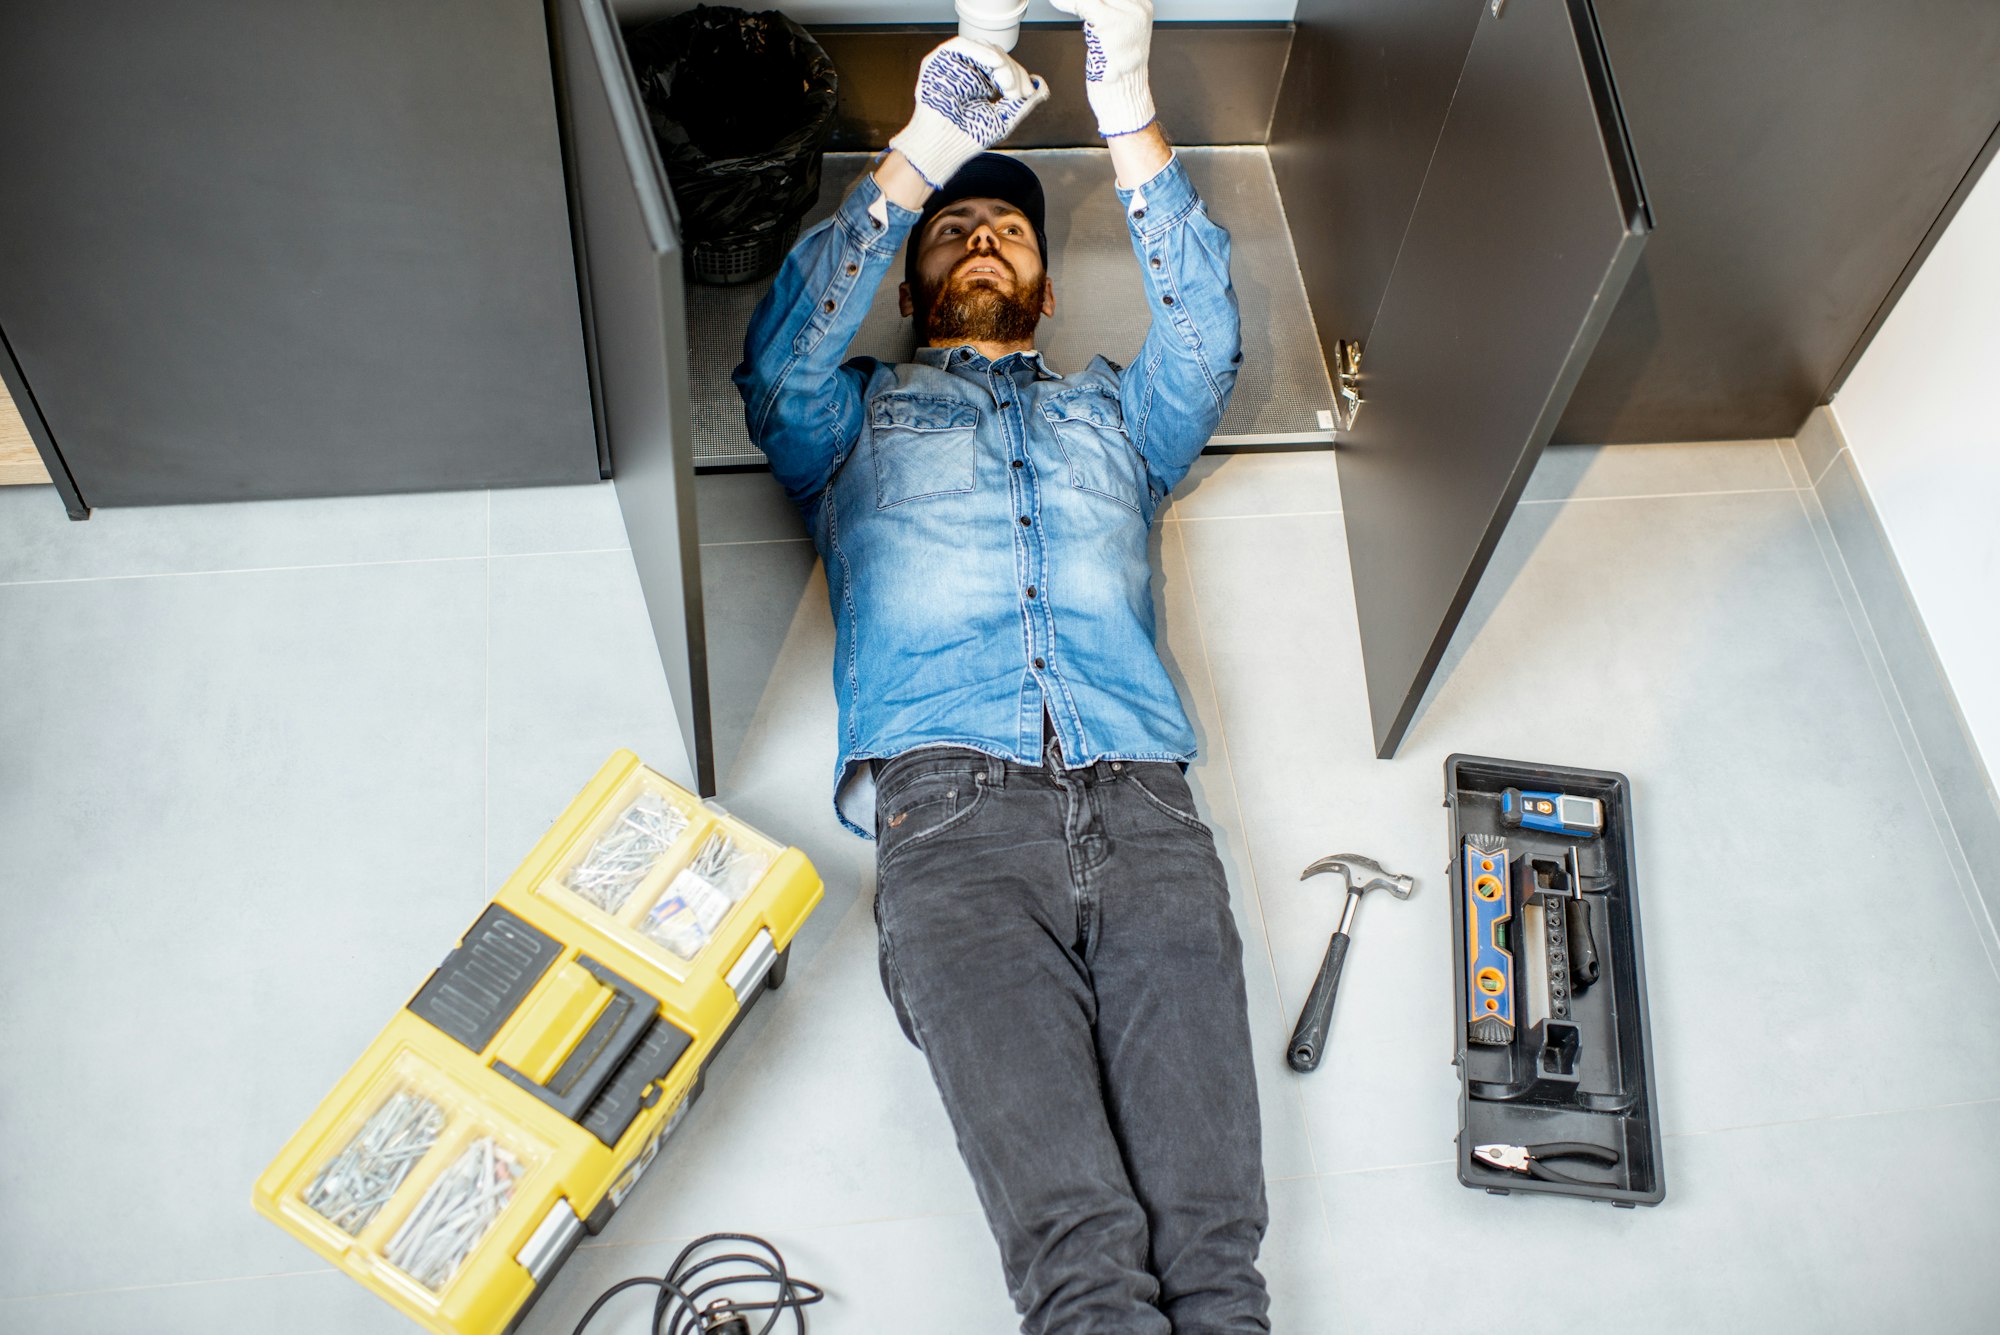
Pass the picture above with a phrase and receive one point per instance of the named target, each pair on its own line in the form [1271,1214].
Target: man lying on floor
[1054,924]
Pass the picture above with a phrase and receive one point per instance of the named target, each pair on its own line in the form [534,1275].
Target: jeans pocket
[921,809]
[923,445]
[1165,788]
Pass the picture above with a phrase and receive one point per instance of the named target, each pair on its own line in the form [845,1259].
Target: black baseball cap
[988,176]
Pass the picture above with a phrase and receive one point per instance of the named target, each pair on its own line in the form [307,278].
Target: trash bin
[741,104]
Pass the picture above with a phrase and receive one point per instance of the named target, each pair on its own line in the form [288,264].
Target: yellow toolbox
[512,1104]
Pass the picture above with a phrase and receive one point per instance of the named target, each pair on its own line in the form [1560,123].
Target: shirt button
[1166,300]
[1025,521]
[1031,590]
[1138,213]
[1040,664]
[1017,463]
[853,269]
[1157,261]
[832,306]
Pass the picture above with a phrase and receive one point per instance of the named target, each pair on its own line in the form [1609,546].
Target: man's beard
[977,313]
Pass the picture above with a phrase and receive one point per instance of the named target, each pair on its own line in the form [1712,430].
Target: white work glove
[970,96]
[1118,41]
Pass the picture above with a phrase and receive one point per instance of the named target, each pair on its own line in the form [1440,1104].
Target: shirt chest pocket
[924,445]
[1091,430]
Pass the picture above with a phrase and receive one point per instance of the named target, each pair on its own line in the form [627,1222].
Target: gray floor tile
[1856,1225]
[1598,471]
[529,520]
[757,596]
[1726,679]
[1915,681]
[1819,440]
[745,507]
[1287,1149]
[1277,614]
[1298,1260]
[252,824]
[1258,483]
[574,675]
[1795,464]
[38,541]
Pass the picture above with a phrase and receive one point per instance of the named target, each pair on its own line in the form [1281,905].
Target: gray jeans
[1058,944]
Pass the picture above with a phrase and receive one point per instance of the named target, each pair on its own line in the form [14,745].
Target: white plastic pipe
[997,22]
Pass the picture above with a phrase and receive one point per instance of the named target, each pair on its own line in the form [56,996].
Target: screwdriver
[1582,932]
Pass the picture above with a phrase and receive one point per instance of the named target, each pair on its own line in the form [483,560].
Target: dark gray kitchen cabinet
[255,250]
[1527,226]
[630,251]
[1799,158]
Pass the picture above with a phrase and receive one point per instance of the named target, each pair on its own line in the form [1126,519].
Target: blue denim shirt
[984,524]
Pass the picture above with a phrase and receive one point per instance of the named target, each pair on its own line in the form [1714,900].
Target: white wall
[940,11]
[1922,422]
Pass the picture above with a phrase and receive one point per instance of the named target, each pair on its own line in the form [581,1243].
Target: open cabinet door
[1529,222]
[635,314]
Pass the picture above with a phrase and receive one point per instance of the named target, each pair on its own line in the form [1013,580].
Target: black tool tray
[1588,1078]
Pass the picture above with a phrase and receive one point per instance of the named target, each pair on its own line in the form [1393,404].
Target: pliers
[1528,1159]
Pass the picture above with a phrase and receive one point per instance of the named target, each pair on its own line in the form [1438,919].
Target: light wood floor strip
[19,464]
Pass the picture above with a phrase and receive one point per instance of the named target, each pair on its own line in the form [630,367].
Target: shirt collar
[965,354]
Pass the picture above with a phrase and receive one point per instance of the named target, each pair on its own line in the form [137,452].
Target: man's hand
[1118,36]
[970,96]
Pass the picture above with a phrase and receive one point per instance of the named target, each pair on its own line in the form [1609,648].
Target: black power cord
[679,1309]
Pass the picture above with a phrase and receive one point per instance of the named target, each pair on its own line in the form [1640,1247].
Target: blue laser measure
[1551,813]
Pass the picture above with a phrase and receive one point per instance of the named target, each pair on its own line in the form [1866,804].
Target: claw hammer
[1308,1043]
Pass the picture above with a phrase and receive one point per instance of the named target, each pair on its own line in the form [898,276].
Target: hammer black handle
[1308,1043]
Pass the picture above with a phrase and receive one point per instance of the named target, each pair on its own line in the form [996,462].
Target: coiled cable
[684,1307]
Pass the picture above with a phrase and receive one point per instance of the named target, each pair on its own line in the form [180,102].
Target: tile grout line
[1666,495]
[245,570]
[489,555]
[22,1298]
[1281,514]
[1832,1117]
[1778,444]
[1831,461]
[1249,856]
[1900,723]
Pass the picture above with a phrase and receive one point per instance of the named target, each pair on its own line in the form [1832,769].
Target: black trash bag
[742,105]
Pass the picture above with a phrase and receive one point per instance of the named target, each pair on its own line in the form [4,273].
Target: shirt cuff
[1159,203]
[877,223]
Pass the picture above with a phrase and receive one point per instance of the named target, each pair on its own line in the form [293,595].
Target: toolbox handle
[599,1053]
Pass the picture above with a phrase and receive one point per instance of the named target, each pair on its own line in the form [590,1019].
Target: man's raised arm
[1174,394]
[803,408]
